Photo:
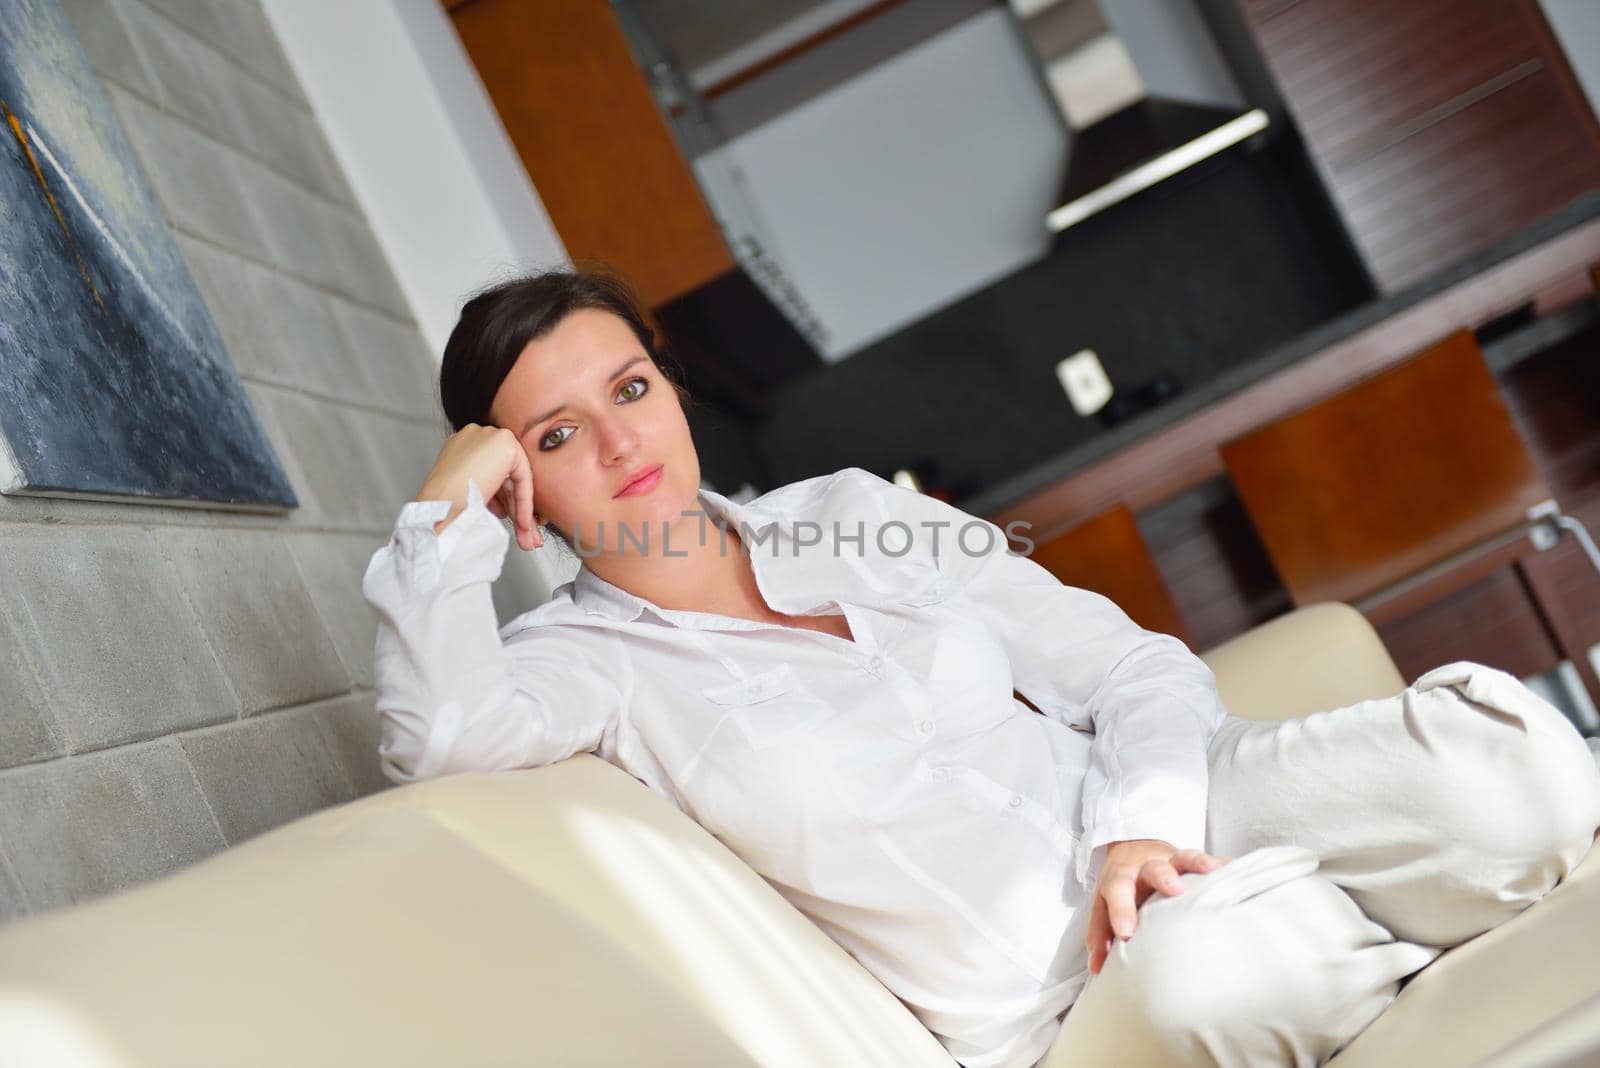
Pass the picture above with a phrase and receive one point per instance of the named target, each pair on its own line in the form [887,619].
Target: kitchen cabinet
[1439,126]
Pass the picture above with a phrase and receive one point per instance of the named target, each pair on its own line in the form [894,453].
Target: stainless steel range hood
[1143,144]
[1144,90]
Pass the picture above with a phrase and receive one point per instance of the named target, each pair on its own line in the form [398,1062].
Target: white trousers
[1366,841]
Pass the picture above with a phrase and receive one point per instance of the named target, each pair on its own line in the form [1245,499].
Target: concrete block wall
[173,681]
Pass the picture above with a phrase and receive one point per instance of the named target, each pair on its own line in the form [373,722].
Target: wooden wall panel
[1215,566]
[1355,70]
[1459,186]
[1490,622]
[599,152]
[1440,126]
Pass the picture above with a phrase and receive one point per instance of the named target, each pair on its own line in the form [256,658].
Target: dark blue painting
[114,383]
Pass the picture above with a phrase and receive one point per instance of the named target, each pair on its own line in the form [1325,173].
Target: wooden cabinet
[1440,126]
[581,116]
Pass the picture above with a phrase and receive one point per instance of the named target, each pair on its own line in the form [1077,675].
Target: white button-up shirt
[892,787]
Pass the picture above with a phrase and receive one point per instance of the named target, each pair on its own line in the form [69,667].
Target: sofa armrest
[1313,659]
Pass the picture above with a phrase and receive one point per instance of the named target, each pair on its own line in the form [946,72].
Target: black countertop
[1500,353]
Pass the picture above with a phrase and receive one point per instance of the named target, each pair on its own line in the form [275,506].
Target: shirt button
[925,727]
[941,773]
[1015,801]
[875,665]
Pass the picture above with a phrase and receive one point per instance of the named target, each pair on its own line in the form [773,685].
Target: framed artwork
[114,383]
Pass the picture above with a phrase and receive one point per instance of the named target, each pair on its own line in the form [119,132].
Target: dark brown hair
[498,322]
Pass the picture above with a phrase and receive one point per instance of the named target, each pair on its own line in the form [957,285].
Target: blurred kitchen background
[1012,253]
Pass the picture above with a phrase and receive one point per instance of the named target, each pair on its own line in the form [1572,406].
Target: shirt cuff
[424,515]
[420,555]
[1181,828]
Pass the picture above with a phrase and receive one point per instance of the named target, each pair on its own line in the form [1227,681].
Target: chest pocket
[771,707]
[970,677]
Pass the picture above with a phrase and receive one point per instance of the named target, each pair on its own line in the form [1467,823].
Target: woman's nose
[617,440]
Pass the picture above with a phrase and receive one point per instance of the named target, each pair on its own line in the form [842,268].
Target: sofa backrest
[1313,659]
[559,915]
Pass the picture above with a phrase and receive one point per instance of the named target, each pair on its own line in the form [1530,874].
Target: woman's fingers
[1098,955]
[1120,892]
[1197,861]
[1121,906]
[1098,941]
[506,502]
[528,535]
[1161,875]
[1124,895]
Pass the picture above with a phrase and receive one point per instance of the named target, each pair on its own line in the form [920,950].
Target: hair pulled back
[498,322]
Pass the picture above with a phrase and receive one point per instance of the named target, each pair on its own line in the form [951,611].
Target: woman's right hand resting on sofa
[492,457]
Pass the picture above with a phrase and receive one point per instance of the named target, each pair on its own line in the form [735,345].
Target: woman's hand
[1133,870]
[493,458]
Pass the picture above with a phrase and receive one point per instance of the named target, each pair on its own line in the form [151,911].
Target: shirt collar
[596,596]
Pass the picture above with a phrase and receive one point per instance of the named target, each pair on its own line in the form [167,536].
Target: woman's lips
[643,484]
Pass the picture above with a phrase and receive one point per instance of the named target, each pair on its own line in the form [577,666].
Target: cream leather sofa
[568,916]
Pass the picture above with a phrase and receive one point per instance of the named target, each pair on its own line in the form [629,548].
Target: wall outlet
[1085,381]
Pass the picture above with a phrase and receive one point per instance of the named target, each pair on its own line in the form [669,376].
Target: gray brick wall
[175,680]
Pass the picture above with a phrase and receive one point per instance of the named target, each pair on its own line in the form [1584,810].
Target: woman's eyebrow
[536,420]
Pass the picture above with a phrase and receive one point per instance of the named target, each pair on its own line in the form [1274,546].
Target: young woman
[824,677]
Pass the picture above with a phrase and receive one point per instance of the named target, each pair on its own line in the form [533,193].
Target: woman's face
[593,411]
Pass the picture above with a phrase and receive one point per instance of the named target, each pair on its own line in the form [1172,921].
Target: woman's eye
[631,390]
